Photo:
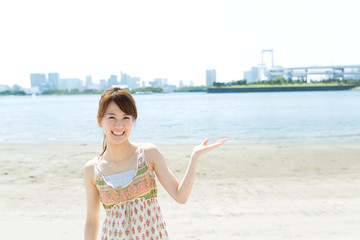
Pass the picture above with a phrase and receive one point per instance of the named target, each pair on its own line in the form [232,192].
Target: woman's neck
[119,152]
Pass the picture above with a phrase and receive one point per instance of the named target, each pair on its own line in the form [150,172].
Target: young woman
[122,178]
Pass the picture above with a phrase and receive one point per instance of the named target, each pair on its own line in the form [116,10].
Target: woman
[122,177]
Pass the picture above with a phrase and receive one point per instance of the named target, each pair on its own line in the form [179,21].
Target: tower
[210,77]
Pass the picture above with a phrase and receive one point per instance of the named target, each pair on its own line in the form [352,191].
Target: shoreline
[252,191]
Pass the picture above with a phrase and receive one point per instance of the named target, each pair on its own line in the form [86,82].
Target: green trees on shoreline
[147,90]
[192,89]
[16,92]
[281,81]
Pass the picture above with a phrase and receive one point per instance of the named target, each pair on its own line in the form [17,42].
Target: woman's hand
[203,148]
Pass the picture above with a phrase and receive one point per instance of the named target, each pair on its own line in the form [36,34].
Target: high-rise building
[210,77]
[247,76]
[38,80]
[103,84]
[253,75]
[181,83]
[124,78]
[53,80]
[70,83]
[131,82]
[159,82]
[112,80]
[88,81]
[134,82]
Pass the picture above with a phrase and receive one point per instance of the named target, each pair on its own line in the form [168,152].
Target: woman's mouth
[118,134]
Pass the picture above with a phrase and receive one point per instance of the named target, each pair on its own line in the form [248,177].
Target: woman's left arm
[179,191]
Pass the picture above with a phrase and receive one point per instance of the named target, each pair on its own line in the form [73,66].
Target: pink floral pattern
[132,211]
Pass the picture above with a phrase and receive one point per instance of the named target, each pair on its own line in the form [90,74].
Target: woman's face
[116,124]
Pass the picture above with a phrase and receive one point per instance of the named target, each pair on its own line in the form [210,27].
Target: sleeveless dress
[132,211]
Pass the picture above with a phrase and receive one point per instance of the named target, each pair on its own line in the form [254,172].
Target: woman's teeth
[118,133]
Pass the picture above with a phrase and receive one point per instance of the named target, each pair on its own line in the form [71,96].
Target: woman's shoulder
[150,148]
[89,165]
[152,152]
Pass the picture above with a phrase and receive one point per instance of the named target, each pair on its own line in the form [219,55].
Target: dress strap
[96,167]
[141,155]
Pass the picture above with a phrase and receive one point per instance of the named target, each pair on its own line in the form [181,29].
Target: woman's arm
[93,203]
[179,191]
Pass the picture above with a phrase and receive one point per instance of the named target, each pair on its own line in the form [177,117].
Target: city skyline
[40,82]
[174,40]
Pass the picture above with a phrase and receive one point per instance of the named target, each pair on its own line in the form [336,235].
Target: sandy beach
[275,191]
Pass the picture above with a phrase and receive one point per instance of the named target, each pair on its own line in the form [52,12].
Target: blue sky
[177,40]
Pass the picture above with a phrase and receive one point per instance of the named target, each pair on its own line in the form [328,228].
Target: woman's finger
[205,141]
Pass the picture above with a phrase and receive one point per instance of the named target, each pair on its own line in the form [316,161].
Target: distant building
[70,83]
[53,80]
[247,76]
[38,80]
[131,82]
[181,83]
[112,80]
[4,87]
[253,75]
[88,82]
[210,77]
[191,83]
[124,78]
[159,82]
[156,83]
[134,82]
[103,84]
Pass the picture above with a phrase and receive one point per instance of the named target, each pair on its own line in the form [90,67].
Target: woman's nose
[118,123]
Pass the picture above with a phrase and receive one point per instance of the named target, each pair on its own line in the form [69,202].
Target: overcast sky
[177,40]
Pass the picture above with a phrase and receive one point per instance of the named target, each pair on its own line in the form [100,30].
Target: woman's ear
[99,121]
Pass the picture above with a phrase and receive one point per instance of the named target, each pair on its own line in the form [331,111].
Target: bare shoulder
[90,163]
[152,153]
[89,167]
[151,150]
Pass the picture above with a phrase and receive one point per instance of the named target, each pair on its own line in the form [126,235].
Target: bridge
[340,71]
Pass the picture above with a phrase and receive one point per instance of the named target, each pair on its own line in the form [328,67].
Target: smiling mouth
[118,133]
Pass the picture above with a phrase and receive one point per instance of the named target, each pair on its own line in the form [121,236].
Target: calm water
[190,117]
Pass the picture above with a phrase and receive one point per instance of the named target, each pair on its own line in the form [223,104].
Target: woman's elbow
[181,200]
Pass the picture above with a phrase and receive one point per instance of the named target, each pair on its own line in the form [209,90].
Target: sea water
[276,117]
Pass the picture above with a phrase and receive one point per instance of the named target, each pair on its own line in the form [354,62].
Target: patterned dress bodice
[132,211]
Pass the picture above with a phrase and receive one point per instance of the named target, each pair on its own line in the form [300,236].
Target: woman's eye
[126,118]
[111,118]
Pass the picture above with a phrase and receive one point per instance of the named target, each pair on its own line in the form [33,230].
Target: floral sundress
[132,211]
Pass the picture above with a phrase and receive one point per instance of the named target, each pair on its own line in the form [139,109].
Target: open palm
[203,148]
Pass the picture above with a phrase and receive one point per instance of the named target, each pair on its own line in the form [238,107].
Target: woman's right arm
[93,203]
